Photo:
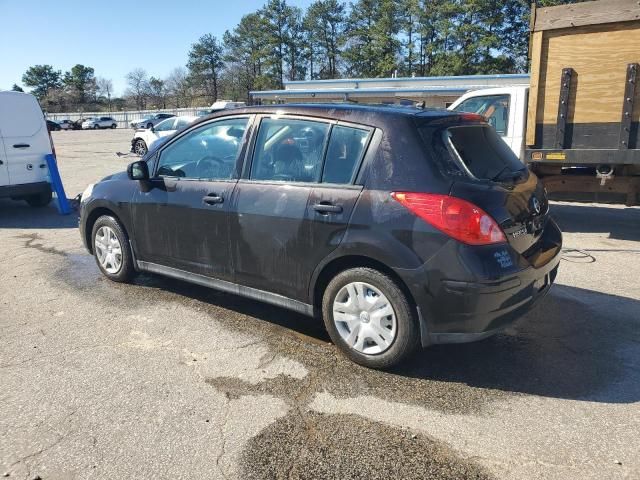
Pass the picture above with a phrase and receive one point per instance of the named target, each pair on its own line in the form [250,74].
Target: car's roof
[365,113]
[359,107]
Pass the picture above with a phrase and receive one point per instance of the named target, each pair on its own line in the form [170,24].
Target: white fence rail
[124,118]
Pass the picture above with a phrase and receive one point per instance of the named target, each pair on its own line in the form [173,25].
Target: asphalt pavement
[162,379]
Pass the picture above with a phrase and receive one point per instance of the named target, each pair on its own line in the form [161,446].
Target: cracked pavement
[161,379]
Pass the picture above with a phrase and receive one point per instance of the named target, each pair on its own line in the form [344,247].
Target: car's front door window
[208,152]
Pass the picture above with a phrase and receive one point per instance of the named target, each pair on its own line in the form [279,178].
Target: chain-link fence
[124,118]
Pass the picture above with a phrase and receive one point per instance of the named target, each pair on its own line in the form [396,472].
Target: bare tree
[178,87]
[138,87]
[105,89]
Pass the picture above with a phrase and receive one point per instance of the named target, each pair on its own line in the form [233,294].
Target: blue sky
[112,36]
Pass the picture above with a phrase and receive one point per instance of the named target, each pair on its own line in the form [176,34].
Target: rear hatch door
[497,181]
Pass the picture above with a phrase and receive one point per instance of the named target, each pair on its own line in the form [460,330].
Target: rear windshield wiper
[497,177]
[515,174]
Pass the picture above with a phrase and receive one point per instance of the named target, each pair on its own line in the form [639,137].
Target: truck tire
[39,200]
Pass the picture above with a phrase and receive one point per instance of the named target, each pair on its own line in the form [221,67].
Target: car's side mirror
[138,170]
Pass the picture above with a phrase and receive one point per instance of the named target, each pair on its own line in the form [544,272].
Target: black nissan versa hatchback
[397,226]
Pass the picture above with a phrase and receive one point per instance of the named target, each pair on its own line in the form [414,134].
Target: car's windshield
[482,153]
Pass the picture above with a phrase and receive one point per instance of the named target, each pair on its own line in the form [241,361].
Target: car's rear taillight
[457,218]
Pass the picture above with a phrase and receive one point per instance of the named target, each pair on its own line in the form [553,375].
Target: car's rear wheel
[96,126]
[149,125]
[39,200]
[140,147]
[111,249]
[370,318]
[114,125]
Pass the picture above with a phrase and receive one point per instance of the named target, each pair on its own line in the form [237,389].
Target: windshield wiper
[515,174]
[497,177]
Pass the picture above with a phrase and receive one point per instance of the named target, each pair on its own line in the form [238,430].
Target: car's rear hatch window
[487,173]
[482,153]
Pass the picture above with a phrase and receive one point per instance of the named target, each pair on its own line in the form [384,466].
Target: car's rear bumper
[25,190]
[459,311]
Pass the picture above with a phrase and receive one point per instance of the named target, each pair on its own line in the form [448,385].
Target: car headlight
[87,193]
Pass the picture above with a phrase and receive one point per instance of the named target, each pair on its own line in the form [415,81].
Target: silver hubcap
[108,250]
[364,318]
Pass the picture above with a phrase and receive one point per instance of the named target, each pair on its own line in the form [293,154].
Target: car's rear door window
[482,153]
[289,149]
[345,149]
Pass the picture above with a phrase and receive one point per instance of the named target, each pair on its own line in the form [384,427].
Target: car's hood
[115,176]
[158,143]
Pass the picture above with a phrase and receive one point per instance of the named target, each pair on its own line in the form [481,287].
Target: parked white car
[99,122]
[24,143]
[144,139]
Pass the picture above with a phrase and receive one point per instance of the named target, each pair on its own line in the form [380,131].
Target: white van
[24,143]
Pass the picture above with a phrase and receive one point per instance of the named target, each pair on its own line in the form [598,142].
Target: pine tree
[324,22]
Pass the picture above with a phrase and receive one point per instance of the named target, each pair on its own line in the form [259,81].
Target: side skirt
[248,292]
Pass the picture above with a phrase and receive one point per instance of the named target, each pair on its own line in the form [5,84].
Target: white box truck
[24,144]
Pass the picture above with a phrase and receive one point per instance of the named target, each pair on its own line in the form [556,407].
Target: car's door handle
[21,145]
[327,208]
[212,199]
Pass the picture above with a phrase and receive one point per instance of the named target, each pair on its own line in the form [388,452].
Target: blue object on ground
[56,184]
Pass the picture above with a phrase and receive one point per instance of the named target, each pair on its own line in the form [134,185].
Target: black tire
[96,126]
[408,333]
[149,125]
[39,200]
[114,126]
[127,270]
[140,147]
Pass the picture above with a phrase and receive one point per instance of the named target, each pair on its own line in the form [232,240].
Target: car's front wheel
[370,318]
[140,147]
[149,125]
[96,126]
[111,249]
[113,125]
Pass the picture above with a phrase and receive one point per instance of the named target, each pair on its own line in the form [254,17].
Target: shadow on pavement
[576,344]
[17,214]
[620,223]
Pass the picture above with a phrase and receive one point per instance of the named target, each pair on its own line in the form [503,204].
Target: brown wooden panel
[599,55]
[534,82]
[586,13]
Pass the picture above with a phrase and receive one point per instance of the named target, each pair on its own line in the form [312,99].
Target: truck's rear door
[25,136]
